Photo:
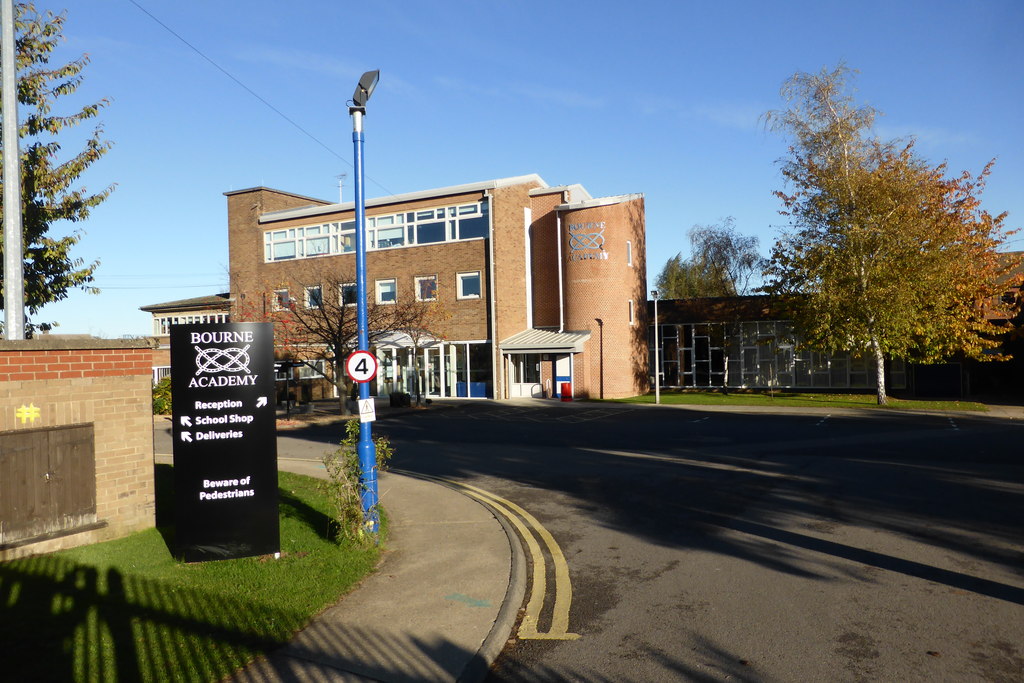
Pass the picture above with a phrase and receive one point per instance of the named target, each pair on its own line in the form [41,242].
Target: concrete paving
[431,612]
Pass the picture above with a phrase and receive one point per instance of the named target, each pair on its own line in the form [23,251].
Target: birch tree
[885,255]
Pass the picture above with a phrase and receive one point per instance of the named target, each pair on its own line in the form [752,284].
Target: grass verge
[798,400]
[126,610]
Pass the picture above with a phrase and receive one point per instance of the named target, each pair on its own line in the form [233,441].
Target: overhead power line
[249,90]
[99,286]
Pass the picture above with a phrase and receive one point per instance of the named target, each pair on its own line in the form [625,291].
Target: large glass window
[480,370]
[473,221]
[284,250]
[526,368]
[390,237]
[759,354]
[388,231]
[427,233]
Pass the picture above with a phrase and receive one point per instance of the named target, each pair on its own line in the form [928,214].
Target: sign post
[362,367]
[365,448]
[225,441]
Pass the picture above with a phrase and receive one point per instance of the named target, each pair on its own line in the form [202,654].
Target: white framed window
[314,372]
[468,285]
[348,295]
[162,324]
[632,318]
[387,291]
[629,253]
[314,297]
[281,300]
[410,228]
[426,288]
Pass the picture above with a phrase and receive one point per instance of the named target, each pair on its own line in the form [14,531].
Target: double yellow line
[530,529]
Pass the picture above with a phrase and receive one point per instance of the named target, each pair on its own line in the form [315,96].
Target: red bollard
[566,391]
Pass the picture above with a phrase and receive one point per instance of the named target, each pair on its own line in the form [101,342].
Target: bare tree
[314,317]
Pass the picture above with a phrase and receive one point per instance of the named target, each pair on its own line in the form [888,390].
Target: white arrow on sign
[186,421]
[261,401]
[186,436]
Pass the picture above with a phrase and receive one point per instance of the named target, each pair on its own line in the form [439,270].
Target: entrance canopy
[545,341]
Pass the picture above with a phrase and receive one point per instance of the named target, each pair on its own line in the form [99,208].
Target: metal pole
[657,352]
[366,450]
[14,275]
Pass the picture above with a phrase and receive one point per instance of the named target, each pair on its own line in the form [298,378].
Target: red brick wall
[107,383]
[600,289]
[544,254]
[18,366]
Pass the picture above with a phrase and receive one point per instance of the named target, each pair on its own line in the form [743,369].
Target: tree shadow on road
[763,488]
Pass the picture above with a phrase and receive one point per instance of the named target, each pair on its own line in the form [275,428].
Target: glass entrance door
[432,376]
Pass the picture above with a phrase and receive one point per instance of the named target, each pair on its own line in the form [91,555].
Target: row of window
[467,286]
[760,354]
[428,226]
[162,323]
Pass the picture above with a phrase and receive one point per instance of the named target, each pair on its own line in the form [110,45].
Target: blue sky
[662,98]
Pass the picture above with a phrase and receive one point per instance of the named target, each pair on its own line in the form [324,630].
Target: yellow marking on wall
[27,412]
[526,524]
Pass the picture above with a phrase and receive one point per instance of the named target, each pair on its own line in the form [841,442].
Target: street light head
[365,88]
[654,294]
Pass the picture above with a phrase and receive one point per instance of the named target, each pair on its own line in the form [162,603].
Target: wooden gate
[47,482]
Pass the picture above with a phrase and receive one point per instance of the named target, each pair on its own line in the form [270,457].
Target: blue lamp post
[365,449]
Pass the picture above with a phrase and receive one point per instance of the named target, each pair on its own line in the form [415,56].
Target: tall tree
[884,255]
[722,263]
[47,175]
[678,279]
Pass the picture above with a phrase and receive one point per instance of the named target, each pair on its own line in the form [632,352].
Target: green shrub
[344,488]
[162,397]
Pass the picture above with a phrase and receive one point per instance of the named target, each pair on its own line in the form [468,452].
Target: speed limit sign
[361,366]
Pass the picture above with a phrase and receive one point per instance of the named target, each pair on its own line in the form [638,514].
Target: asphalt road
[710,546]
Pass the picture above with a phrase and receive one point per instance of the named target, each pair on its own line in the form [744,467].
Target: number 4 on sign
[361,366]
[367,410]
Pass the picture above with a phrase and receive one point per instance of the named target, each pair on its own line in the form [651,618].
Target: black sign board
[225,441]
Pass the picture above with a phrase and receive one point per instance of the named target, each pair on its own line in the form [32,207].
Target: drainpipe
[561,295]
[527,244]
[495,351]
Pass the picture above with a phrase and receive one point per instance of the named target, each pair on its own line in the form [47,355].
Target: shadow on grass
[61,620]
[294,507]
[67,619]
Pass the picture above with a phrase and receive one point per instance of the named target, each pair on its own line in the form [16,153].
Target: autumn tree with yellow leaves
[885,254]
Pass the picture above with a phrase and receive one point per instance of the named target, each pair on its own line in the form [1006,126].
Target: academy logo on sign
[214,360]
